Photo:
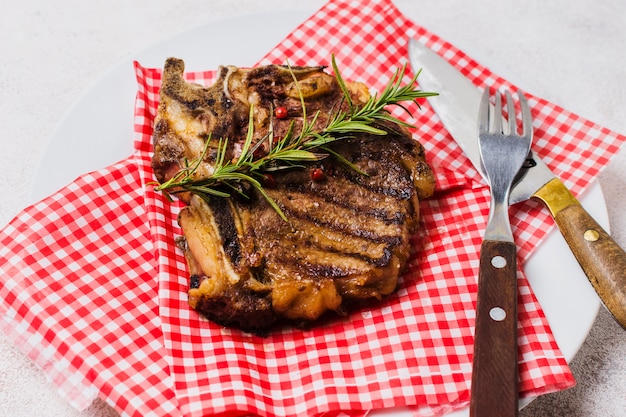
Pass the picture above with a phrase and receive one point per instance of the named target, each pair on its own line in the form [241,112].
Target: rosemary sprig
[296,148]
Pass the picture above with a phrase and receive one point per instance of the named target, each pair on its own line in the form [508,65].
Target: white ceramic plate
[76,147]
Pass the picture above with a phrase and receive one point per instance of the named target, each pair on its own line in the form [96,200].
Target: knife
[600,257]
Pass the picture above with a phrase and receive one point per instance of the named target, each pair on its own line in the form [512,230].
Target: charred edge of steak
[197,106]
[240,308]
[227,229]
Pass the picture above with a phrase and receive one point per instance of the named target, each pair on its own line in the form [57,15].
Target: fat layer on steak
[347,234]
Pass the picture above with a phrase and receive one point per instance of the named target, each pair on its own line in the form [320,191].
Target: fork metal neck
[498,224]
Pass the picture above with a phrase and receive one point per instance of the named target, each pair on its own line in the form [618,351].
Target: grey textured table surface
[570,52]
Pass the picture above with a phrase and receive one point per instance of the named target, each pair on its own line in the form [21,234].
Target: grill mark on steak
[326,239]
[346,245]
[353,229]
[347,236]
[349,194]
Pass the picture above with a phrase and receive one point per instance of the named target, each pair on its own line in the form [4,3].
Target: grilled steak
[347,231]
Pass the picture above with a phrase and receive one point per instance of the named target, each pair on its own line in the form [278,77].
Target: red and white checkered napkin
[93,289]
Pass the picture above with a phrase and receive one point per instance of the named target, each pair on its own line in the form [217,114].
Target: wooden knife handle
[600,257]
[494,390]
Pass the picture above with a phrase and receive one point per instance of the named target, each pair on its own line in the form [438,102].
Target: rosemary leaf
[299,155]
[350,126]
[246,145]
[341,82]
[270,200]
[196,189]
[344,161]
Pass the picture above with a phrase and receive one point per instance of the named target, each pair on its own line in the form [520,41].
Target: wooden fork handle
[494,390]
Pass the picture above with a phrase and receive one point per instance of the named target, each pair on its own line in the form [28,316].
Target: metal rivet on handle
[497,314]
[498,262]
[591,235]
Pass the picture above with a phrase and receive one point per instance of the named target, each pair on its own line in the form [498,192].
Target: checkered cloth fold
[93,289]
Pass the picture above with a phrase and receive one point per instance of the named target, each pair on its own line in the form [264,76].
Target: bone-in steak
[348,224]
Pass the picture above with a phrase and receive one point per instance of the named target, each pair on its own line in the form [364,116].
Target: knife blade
[600,257]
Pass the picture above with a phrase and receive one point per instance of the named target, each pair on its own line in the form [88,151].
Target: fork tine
[512,118]
[483,112]
[497,114]
[527,121]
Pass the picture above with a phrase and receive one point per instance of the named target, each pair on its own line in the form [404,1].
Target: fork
[494,390]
